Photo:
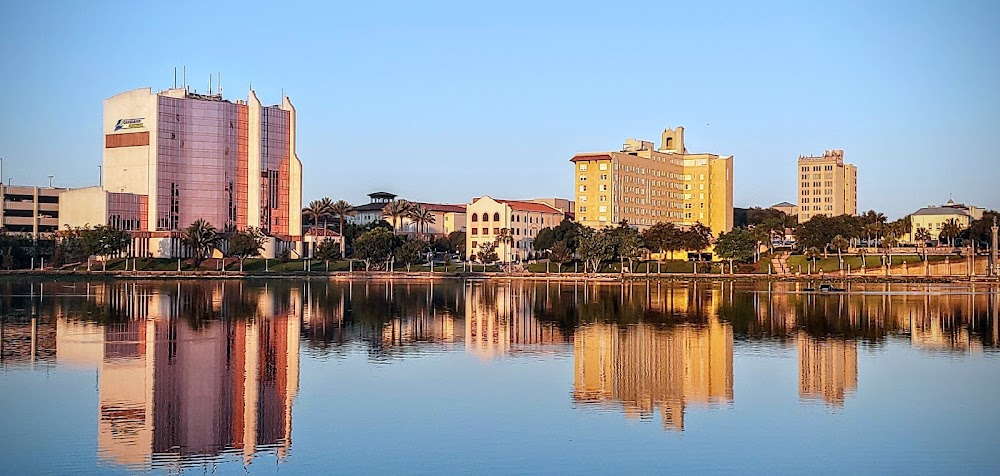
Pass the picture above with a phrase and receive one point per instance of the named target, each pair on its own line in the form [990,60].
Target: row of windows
[602,166]
[513,218]
[817,168]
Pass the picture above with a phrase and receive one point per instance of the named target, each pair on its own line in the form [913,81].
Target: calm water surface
[499,377]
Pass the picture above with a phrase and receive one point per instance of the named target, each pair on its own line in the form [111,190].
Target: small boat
[828,288]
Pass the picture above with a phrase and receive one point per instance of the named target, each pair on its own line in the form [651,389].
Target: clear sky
[448,101]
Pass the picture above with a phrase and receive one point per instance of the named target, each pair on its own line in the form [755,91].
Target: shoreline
[424,276]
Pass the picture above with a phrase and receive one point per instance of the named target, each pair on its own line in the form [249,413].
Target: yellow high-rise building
[644,185]
[827,186]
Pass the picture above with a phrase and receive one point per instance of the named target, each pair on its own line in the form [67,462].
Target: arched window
[475,217]
[670,142]
[486,217]
[496,217]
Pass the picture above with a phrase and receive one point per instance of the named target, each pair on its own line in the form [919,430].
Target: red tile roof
[523,206]
[442,207]
[595,156]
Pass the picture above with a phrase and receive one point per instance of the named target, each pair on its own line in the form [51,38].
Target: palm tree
[315,210]
[950,231]
[202,237]
[813,254]
[326,207]
[396,209]
[840,243]
[421,216]
[505,237]
[922,236]
[341,209]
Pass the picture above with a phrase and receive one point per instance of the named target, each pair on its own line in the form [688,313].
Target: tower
[673,140]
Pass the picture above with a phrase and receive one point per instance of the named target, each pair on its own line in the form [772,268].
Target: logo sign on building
[133,123]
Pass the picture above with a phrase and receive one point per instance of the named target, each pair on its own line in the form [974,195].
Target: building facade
[789,209]
[447,218]
[934,218]
[827,186]
[490,220]
[645,185]
[29,210]
[173,157]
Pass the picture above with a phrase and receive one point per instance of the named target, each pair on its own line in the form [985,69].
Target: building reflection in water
[828,369]
[188,371]
[500,320]
[644,367]
[181,381]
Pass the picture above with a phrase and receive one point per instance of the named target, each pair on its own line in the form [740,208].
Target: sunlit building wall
[645,185]
[173,157]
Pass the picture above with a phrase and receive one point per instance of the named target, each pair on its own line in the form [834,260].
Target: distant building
[568,207]
[371,212]
[448,218]
[645,186]
[29,210]
[827,186]
[789,209]
[173,157]
[522,219]
[933,218]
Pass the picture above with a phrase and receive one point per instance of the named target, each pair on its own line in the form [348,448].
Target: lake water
[296,376]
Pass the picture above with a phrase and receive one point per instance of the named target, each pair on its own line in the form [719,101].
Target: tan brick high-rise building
[827,186]
[645,185]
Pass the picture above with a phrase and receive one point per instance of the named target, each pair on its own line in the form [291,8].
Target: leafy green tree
[328,249]
[568,232]
[544,240]
[757,216]
[457,240]
[105,241]
[596,247]
[487,253]
[202,238]
[374,247]
[560,254]
[979,230]
[737,245]
[245,244]
[696,238]
[628,243]
[662,237]
[410,252]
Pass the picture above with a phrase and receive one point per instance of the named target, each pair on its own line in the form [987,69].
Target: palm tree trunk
[343,243]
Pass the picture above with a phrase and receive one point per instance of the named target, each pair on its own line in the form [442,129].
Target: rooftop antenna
[209,84]
[175,77]
[220,83]
[185,78]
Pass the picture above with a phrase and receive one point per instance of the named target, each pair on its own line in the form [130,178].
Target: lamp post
[994,265]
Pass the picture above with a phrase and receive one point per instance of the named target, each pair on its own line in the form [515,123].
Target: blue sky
[445,101]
